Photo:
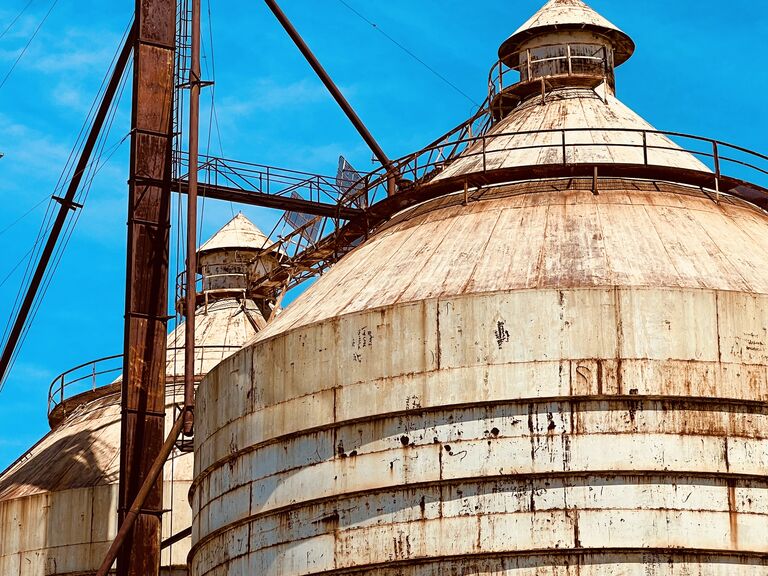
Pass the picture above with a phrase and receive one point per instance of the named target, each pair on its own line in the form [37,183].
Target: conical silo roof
[221,328]
[596,128]
[238,233]
[566,123]
[567,15]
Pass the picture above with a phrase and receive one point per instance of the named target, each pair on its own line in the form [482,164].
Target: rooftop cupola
[565,44]
[228,260]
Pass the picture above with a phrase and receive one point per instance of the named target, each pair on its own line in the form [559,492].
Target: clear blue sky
[699,68]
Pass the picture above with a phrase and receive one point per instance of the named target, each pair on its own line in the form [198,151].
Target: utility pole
[146,291]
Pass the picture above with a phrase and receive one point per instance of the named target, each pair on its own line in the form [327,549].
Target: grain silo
[556,365]
[58,502]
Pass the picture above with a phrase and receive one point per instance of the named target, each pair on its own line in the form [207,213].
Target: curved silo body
[556,376]
[58,503]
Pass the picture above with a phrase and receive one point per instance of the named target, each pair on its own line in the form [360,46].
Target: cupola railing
[206,284]
[546,67]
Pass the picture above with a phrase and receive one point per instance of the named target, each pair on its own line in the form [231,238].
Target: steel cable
[29,42]
[409,53]
[19,15]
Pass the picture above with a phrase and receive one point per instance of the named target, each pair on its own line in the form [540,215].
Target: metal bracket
[200,83]
[67,204]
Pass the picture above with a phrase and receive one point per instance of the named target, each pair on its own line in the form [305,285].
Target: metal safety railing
[492,150]
[270,180]
[90,376]
[551,61]
[207,282]
[742,172]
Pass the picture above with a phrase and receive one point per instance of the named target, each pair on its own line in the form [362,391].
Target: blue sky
[699,68]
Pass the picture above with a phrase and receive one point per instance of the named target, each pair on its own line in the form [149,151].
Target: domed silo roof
[58,502]
[530,372]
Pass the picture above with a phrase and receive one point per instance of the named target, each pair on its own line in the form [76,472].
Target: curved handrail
[572,63]
[418,177]
[92,372]
[421,167]
[203,280]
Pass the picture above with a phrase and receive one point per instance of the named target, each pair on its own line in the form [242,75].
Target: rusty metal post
[594,182]
[528,65]
[645,147]
[716,156]
[141,496]
[194,128]
[565,151]
[146,294]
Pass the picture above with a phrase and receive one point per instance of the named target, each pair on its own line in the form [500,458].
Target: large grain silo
[555,366]
[58,502]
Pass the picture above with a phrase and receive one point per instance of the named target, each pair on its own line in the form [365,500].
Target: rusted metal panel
[686,443]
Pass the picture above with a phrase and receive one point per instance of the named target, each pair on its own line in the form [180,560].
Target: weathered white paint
[527,375]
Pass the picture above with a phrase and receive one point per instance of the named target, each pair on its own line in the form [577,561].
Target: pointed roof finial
[564,15]
[238,233]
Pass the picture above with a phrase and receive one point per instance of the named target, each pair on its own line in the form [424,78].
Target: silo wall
[605,413]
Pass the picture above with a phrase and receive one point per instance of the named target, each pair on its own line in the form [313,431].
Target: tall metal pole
[66,204]
[194,127]
[146,293]
[335,92]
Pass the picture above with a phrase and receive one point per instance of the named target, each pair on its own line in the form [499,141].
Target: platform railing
[90,376]
[270,180]
[726,168]
[205,282]
[721,158]
[574,59]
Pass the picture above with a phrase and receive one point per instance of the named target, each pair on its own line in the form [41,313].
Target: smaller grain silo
[58,502]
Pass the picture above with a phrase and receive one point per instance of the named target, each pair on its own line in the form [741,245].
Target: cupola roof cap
[566,15]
